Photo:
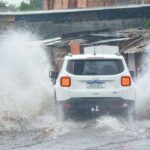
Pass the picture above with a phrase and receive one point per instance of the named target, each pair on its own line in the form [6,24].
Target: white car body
[79,90]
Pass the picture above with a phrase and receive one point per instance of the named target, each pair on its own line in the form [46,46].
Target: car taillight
[65,81]
[67,106]
[126,81]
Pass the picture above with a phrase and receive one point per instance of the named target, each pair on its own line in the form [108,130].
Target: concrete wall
[53,24]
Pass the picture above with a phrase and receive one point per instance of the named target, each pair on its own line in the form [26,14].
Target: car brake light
[126,81]
[67,106]
[65,81]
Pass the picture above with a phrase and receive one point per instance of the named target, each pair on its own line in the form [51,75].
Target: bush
[147,25]
[33,5]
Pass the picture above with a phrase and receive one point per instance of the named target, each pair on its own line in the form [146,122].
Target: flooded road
[101,134]
[26,106]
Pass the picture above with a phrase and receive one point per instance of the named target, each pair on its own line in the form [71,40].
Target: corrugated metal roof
[133,50]
[137,45]
[131,41]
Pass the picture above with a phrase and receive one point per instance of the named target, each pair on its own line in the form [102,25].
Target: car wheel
[129,113]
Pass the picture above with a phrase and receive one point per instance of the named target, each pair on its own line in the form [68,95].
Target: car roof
[91,56]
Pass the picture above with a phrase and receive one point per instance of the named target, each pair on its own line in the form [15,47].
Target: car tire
[131,113]
[60,115]
[58,109]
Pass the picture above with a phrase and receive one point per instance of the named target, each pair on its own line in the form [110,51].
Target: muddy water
[26,106]
[104,133]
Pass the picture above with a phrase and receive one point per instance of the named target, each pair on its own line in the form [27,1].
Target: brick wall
[95,3]
[51,4]
[61,4]
[108,2]
[82,3]
[147,1]
[64,4]
[98,3]
[45,5]
[58,4]
[72,3]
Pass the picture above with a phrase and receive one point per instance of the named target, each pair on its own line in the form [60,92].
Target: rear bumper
[127,93]
[103,104]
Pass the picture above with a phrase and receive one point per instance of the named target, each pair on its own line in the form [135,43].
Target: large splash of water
[143,88]
[25,89]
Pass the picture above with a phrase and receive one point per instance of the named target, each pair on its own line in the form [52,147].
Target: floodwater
[102,134]
[27,121]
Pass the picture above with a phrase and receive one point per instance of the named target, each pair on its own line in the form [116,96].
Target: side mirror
[53,74]
[132,74]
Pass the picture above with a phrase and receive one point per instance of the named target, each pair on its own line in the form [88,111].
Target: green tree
[33,5]
[2,4]
[9,7]
[147,25]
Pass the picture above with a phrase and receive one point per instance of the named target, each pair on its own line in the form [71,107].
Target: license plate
[95,84]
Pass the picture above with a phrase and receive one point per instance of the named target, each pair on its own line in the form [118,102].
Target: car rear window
[95,67]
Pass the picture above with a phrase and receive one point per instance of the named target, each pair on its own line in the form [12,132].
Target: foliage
[33,5]
[147,25]
[8,7]
[2,4]
[13,7]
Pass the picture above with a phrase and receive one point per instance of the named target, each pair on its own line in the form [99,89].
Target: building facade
[66,4]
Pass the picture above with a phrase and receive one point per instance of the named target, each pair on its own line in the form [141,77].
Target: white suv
[96,83]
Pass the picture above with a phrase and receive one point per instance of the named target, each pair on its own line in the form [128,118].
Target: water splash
[143,89]
[25,89]
[110,123]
